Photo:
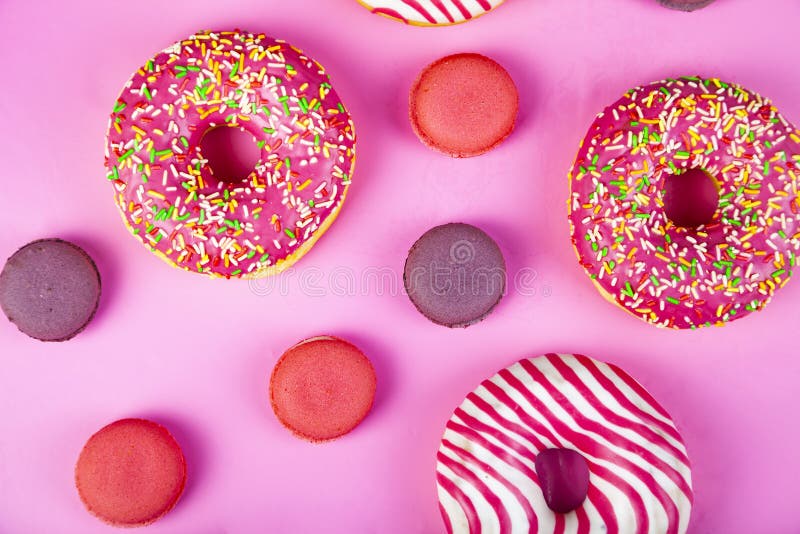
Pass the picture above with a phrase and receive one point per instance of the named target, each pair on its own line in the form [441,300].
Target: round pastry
[168,194]
[431,12]
[322,388]
[463,105]
[131,473]
[515,454]
[50,289]
[455,275]
[685,5]
[687,277]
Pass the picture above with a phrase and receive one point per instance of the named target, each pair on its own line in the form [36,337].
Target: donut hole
[691,198]
[231,152]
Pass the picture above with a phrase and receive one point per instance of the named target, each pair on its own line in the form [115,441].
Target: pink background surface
[196,354]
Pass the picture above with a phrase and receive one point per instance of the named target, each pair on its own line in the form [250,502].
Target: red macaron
[131,473]
[463,105]
[322,388]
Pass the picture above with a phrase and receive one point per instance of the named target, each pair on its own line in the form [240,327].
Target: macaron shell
[686,5]
[131,473]
[463,105]
[50,289]
[322,388]
[455,275]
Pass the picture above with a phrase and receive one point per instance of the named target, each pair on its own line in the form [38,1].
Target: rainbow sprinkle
[687,277]
[168,195]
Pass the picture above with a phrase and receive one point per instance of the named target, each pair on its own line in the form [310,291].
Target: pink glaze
[687,277]
[164,187]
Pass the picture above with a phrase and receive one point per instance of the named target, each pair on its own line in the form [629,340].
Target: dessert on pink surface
[455,275]
[131,473]
[686,5]
[514,454]
[463,105]
[198,353]
[50,289]
[431,12]
[169,196]
[687,277]
[322,388]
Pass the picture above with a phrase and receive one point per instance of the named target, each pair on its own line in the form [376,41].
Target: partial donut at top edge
[431,12]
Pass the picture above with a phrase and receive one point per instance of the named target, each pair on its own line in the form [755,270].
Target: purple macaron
[50,289]
[686,5]
[455,275]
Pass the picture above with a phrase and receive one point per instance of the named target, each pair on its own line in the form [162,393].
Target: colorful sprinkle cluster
[687,277]
[166,190]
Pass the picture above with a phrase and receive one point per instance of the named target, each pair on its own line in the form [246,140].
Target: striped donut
[640,477]
[431,12]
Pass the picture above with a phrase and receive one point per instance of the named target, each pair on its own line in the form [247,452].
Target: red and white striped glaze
[164,187]
[640,476]
[431,12]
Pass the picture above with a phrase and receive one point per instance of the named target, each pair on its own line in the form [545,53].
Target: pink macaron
[463,105]
[131,473]
[322,388]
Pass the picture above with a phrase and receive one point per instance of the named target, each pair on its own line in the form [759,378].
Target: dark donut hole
[690,198]
[232,153]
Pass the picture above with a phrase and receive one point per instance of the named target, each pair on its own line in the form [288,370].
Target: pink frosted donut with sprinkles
[687,277]
[431,12]
[167,192]
[492,467]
